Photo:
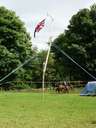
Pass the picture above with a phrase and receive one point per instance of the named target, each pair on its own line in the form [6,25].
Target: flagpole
[39,26]
[45,64]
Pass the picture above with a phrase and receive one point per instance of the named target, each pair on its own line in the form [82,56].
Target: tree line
[78,41]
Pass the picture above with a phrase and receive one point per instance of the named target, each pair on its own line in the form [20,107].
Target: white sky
[33,11]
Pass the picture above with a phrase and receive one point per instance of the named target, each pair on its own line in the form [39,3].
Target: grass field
[31,110]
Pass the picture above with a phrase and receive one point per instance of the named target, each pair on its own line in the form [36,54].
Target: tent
[89,89]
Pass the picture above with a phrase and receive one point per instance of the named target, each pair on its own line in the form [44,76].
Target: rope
[65,54]
[14,70]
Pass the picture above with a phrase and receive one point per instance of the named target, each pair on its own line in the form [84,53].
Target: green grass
[31,110]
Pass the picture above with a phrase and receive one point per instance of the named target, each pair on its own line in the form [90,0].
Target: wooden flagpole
[45,64]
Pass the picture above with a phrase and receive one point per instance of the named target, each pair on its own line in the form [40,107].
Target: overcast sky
[33,11]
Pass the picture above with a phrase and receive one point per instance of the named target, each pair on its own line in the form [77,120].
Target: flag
[39,26]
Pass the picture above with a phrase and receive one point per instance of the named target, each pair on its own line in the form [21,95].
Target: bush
[21,86]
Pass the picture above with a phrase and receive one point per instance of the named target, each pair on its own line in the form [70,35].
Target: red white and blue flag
[39,26]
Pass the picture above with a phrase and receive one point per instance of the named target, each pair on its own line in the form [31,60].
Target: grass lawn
[31,110]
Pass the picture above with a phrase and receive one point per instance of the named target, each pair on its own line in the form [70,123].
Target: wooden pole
[45,64]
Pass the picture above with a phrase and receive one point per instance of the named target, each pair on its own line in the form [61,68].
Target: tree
[38,69]
[79,42]
[15,45]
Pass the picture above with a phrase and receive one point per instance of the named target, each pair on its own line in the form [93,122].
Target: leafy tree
[79,42]
[38,65]
[15,45]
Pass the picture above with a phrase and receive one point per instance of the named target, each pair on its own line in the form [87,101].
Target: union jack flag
[39,26]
